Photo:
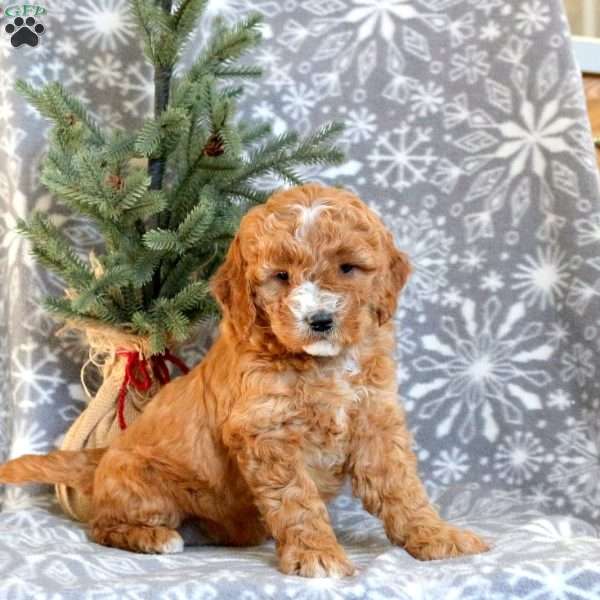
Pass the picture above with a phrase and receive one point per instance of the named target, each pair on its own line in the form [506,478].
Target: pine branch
[226,46]
[53,250]
[54,103]
[187,15]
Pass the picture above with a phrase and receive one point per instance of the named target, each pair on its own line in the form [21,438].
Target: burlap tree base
[130,378]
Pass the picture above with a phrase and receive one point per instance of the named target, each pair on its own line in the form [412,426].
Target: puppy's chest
[331,400]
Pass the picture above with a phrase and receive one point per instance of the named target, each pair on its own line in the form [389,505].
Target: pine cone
[116,182]
[214,146]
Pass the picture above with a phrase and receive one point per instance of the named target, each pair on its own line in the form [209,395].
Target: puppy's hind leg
[134,504]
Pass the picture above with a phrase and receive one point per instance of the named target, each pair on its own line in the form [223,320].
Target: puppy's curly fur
[297,393]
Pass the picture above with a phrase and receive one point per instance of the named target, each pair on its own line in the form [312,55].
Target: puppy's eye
[283,276]
[347,268]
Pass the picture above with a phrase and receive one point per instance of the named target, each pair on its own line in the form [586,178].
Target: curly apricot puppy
[297,393]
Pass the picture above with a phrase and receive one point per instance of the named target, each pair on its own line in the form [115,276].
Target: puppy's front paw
[444,542]
[307,562]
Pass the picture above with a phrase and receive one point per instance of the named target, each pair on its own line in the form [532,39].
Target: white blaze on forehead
[308,299]
[308,217]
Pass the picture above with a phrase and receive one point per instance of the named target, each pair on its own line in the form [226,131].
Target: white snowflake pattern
[533,16]
[577,466]
[298,101]
[138,89]
[375,15]
[105,71]
[481,372]
[472,260]
[361,125]
[518,457]
[28,438]
[452,297]
[490,31]
[492,281]
[36,375]
[542,280]
[578,364]
[450,466]
[581,294]
[427,99]
[557,579]
[538,132]
[428,249]
[470,66]
[462,29]
[402,157]
[588,230]
[105,24]
[560,400]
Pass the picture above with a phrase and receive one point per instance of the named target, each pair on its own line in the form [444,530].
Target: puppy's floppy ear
[391,282]
[232,290]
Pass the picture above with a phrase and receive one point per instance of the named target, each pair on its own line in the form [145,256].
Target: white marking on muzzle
[308,299]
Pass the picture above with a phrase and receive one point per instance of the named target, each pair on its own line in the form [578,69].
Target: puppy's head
[315,266]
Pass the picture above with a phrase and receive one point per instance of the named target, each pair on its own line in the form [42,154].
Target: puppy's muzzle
[321,322]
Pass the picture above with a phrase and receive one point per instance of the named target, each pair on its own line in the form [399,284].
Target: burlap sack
[99,423]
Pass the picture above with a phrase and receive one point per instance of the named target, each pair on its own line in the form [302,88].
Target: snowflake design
[452,297]
[374,15]
[298,101]
[138,88]
[490,32]
[539,131]
[542,281]
[581,294]
[427,99]
[36,379]
[472,260]
[104,24]
[557,579]
[518,457]
[560,400]
[428,249]
[470,66]
[482,372]
[28,438]
[492,281]
[403,157]
[533,16]
[450,466]
[562,531]
[588,230]
[66,48]
[578,364]
[361,125]
[577,466]
[105,71]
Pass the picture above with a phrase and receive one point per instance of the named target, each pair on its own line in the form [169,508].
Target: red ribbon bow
[138,376]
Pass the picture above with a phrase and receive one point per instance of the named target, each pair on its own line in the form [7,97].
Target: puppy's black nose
[321,322]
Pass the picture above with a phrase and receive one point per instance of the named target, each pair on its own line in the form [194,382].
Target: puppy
[297,394]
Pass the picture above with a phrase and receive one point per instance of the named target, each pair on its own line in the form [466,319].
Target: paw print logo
[25,31]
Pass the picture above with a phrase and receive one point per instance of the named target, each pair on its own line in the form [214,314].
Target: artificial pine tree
[167,222]
[166,228]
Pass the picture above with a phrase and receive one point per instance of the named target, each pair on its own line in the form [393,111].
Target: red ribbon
[138,376]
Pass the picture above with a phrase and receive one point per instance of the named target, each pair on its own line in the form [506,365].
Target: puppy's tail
[73,468]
